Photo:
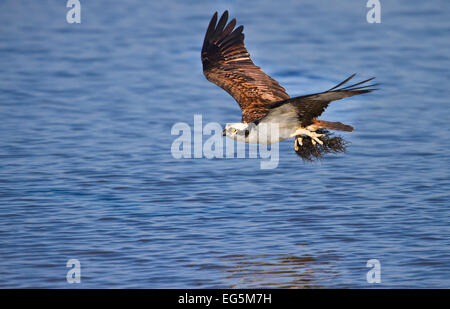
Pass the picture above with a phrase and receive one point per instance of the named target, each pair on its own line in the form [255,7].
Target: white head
[238,131]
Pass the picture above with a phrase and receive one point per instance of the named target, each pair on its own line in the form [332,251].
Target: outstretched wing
[309,107]
[227,63]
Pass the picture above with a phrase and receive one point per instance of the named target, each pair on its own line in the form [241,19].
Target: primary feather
[227,63]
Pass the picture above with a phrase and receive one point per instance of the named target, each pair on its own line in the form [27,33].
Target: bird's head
[237,131]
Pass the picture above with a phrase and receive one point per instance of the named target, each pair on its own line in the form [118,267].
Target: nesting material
[331,144]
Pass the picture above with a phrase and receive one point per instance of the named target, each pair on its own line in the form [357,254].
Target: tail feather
[339,126]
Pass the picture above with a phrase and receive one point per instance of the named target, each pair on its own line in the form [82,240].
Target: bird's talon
[298,142]
[315,138]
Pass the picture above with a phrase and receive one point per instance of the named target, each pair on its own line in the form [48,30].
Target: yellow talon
[315,138]
[298,142]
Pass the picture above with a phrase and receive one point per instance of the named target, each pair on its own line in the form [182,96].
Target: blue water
[86,170]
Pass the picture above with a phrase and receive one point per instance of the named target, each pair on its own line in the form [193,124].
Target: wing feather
[227,63]
[309,107]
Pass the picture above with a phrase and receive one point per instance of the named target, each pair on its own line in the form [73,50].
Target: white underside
[279,125]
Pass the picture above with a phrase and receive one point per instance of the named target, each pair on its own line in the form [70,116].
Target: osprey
[263,101]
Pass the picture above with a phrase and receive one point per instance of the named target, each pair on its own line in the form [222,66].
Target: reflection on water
[271,270]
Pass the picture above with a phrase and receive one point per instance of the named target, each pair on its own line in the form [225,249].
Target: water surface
[86,170]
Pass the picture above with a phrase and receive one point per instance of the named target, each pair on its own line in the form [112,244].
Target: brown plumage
[227,63]
[322,124]
[311,106]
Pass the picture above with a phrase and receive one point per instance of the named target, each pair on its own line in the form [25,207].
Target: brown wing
[227,63]
[309,107]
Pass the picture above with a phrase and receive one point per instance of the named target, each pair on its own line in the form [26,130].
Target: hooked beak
[224,132]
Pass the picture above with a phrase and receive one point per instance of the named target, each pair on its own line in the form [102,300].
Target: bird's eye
[233,130]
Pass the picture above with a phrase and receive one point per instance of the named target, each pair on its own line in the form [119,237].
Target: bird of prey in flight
[227,63]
